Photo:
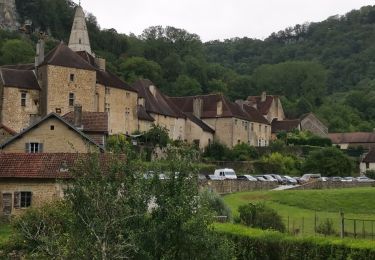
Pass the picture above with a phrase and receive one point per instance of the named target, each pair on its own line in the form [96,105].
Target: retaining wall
[231,186]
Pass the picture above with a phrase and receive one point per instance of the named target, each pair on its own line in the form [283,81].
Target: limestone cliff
[8,15]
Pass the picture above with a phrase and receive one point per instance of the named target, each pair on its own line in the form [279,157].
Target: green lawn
[5,233]
[299,208]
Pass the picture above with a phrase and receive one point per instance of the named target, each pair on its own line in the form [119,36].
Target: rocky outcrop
[8,15]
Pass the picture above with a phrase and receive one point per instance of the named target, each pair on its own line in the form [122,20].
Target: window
[235,121]
[71,99]
[22,199]
[367,165]
[265,129]
[107,90]
[127,94]
[260,128]
[23,98]
[52,127]
[71,77]
[127,111]
[80,41]
[34,148]
[107,107]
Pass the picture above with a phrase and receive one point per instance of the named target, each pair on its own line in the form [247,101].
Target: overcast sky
[216,19]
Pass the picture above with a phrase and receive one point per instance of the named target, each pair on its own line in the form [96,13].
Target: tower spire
[79,36]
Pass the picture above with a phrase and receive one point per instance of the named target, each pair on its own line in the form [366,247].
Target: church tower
[79,36]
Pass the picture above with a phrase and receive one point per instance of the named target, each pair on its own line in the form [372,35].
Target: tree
[278,163]
[186,86]
[329,162]
[157,135]
[138,67]
[16,51]
[244,152]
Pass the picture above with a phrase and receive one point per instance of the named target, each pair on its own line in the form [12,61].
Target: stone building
[368,162]
[309,122]
[6,133]
[52,134]
[269,106]
[353,140]
[8,15]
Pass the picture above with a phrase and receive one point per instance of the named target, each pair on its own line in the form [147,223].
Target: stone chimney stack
[197,107]
[77,116]
[39,58]
[219,108]
[264,96]
[100,62]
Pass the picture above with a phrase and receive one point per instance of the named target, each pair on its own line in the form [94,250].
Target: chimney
[197,107]
[152,89]
[219,107]
[39,58]
[100,62]
[77,116]
[264,96]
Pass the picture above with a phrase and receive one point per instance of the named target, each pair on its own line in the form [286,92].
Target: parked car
[364,179]
[310,177]
[348,179]
[269,177]
[290,180]
[280,179]
[223,174]
[260,178]
[250,177]
[336,179]
[324,179]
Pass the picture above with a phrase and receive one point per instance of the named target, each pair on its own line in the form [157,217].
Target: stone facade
[55,136]
[260,134]
[312,124]
[43,191]
[13,113]
[196,135]
[63,82]
[175,126]
[4,135]
[232,186]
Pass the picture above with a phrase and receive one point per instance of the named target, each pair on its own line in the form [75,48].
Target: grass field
[300,209]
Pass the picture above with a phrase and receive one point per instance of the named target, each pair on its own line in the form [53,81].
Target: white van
[311,177]
[222,174]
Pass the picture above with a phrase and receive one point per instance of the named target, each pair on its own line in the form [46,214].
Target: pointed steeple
[79,36]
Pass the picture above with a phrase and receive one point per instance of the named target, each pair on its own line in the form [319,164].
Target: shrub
[217,151]
[370,174]
[215,203]
[278,163]
[244,152]
[260,216]
[326,228]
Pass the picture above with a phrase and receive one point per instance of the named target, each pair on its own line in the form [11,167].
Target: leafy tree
[16,51]
[329,162]
[217,151]
[157,135]
[279,164]
[216,203]
[186,86]
[138,67]
[244,152]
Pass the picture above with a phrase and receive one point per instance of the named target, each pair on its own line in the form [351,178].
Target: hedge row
[258,244]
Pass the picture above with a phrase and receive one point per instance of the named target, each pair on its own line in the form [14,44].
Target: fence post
[342,224]
[288,225]
[315,223]
[355,228]
[363,229]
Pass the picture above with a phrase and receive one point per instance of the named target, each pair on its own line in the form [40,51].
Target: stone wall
[232,186]
[4,136]
[321,185]
[14,115]
[43,191]
[59,140]
[195,132]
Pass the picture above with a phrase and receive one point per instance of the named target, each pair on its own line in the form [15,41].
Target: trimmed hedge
[259,244]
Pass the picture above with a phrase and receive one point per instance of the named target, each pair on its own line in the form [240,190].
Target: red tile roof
[347,138]
[255,115]
[45,166]
[8,130]
[91,121]
[262,106]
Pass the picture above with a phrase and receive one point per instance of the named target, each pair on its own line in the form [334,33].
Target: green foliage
[156,136]
[329,162]
[279,164]
[186,86]
[259,244]
[244,152]
[370,174]
[240,152]
[16,51]
[118,144]
[326,228]
[217,151]
[138,67]
[307,138]
[260,216]
[216,203]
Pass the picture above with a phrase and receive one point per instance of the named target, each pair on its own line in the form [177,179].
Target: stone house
[368,162]
[309,122]
[52,134]
[232,123]
[269,106]
[6,133]
[31,180]
[353,140]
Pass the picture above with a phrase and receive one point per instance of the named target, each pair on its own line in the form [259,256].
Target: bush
[260,216]
[217,151]
[244,152]
[370,174]
[278,163]
[215,203]
[326,228]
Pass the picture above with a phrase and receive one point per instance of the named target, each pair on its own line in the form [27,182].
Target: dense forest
[326,67]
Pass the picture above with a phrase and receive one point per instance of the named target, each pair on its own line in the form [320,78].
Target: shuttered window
[34,148]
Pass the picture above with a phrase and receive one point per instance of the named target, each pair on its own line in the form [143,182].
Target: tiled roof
[255,115]
[24,79]
[45,165]
[8,130]
[63,56]
[30,66]
[200,123]
[143,115]
[262,106]
[158,104]
[209,109]
[52,115]
[88,58]
[109,79]
[91,121]
[370,157]
[347,138]
[285,125]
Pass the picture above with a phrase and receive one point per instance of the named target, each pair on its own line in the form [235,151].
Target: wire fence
[339,226]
